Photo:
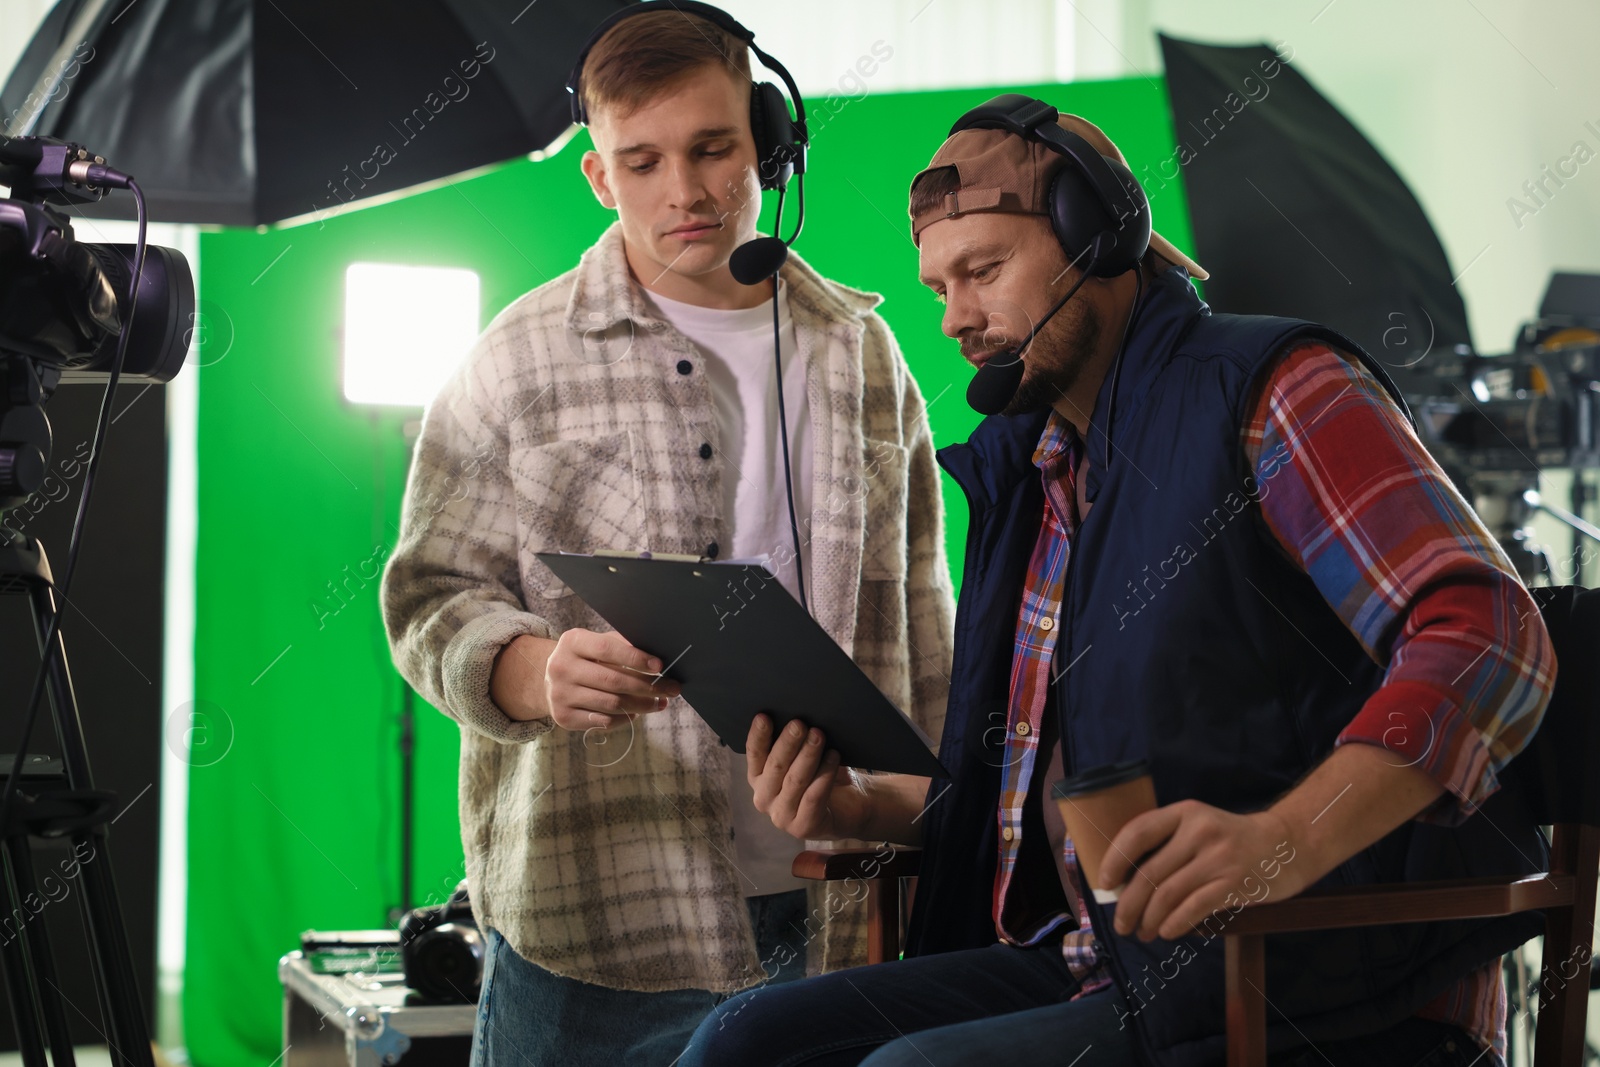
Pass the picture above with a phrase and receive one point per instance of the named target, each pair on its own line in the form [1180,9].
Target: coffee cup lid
[1097,778]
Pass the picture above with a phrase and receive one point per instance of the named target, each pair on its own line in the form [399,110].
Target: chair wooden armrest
[1377,905]
[1565,894]
[881,875]
[838,864]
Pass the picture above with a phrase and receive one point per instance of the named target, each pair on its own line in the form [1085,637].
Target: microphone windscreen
[992,388]
[755,261]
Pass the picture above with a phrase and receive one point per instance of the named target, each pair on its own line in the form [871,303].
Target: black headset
[780,154]
[1097,208]
[1096,204]
[780,140]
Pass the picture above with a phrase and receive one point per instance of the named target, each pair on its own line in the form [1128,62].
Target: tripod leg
[20,983]
[44,968]
[108,938]
[95,971]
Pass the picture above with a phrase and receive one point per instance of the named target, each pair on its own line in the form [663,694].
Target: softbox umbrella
[1296,213]
[245,112]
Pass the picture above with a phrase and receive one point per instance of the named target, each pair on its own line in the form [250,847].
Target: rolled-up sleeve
[452,592]
[1355,500]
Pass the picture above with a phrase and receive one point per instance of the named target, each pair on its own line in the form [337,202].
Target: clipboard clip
[676,557]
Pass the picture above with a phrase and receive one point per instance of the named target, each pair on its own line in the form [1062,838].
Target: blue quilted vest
[1193,643]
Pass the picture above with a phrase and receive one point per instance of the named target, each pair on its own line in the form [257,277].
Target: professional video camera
[69,311]
[64,303]
[1494,422]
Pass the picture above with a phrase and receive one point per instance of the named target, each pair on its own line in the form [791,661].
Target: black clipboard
[740,644]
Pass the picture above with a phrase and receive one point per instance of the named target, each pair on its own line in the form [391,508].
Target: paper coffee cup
[1095,804]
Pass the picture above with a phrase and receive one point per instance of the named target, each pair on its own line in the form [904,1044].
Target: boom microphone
[755,261]
[996,382]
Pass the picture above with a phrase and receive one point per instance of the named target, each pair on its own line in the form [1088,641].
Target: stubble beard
[1056,359]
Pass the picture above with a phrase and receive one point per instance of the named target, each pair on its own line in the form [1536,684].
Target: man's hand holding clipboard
[768,658]
[801,786]
[587,680]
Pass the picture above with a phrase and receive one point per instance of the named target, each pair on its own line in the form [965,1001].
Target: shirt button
[1047,624]
[1022,729]
[1008,833]
[711,550]
[684,366]
[705,450]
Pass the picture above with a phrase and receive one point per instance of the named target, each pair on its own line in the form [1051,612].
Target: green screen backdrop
[296,826]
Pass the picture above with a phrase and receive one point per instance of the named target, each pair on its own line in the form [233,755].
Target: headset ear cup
[1076,215]
[758,129]
[774,135]
[1133,223]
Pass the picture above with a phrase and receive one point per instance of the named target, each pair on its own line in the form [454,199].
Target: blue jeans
[982,1008]
[528,1017]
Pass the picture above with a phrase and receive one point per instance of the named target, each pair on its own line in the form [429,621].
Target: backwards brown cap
[1000,171]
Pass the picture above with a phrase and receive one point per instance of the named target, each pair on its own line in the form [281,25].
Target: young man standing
[624,879]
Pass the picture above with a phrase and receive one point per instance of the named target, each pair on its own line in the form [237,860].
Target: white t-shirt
[737,348]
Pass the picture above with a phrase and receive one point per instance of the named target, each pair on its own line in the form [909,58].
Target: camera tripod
[56,798]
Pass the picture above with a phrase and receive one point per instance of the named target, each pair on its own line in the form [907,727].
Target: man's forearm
[516,684]
[895,814]
[1351,799]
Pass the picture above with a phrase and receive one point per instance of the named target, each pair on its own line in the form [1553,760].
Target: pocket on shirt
[883,552]
[576,496]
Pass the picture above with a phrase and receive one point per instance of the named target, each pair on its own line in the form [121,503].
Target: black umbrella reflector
[243,112]
[1296,213]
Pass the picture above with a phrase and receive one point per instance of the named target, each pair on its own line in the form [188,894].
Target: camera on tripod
[69,311]
[65,303]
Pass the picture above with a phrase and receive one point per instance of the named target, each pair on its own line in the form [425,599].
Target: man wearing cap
[1280,604]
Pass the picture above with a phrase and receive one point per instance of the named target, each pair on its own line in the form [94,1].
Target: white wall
[942,44]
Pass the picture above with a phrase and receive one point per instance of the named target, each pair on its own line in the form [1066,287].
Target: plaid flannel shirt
[1354,500]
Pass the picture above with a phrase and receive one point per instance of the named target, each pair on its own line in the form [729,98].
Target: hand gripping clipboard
[740,644]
